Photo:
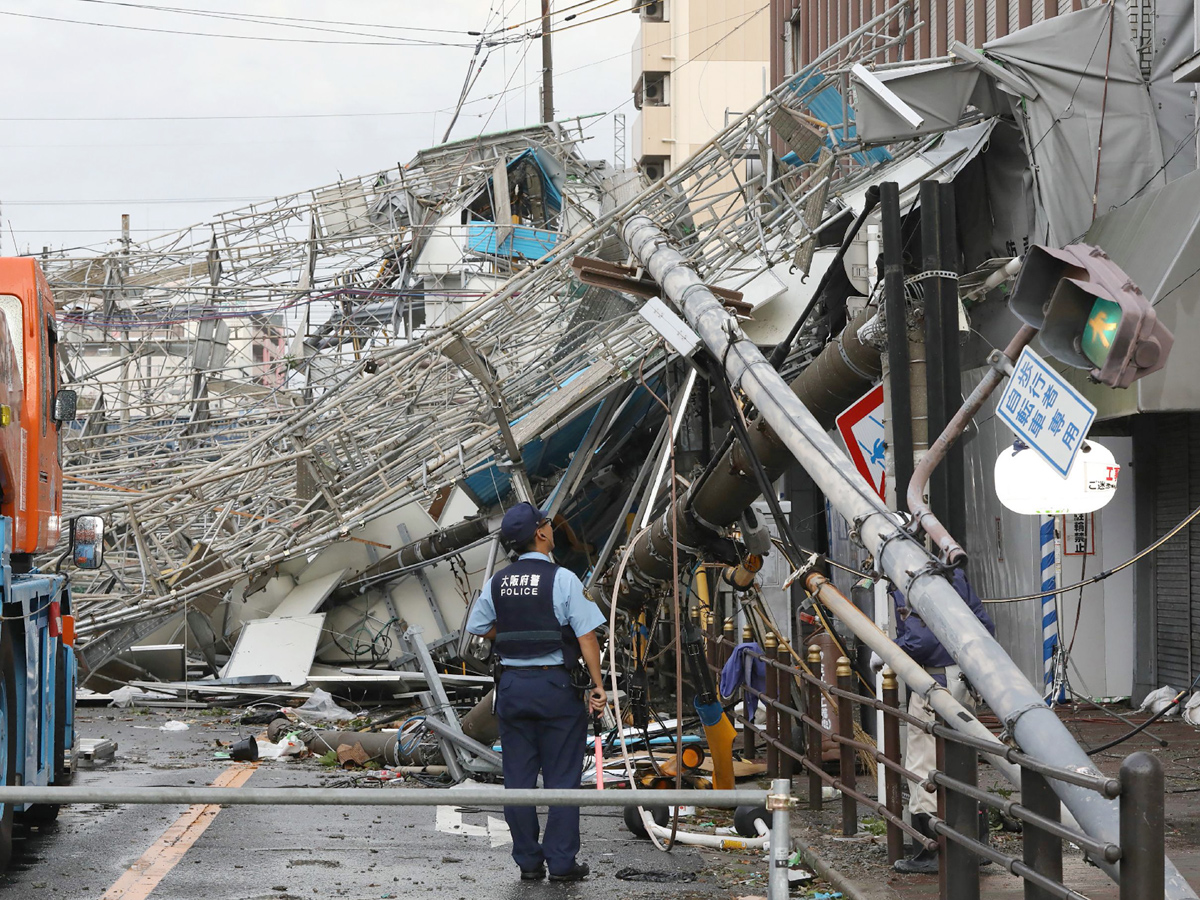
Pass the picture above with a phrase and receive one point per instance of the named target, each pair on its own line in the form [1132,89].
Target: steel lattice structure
[214,461]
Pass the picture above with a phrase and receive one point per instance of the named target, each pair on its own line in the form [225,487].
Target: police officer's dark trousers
[543,725]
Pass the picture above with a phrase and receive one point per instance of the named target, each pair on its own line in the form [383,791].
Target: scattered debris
[352,757]
[629,874]
[127,696]
[322,707]
[94,750]
[174,725]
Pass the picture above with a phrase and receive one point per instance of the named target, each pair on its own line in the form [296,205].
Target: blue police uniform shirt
[570,606]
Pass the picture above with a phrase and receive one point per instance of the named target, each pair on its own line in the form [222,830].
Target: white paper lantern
[1026,484]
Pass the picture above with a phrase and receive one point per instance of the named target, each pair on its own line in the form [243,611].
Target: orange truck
[37,634]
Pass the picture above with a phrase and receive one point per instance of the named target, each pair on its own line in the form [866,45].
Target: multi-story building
[801,30]
[696,64]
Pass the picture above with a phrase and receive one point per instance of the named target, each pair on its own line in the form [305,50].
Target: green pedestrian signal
[1090,314]
[1101,329]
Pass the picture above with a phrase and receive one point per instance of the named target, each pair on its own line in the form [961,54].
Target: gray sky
[53,171]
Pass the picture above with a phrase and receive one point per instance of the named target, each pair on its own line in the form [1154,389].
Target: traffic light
[1091,314]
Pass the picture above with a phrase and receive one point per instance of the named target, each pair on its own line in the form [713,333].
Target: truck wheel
[8,740]
[47,813]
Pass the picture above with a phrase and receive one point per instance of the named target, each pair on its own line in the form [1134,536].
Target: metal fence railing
[777,801]
[1136,860]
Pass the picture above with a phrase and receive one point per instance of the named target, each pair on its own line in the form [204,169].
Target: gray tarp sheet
[937,92]
[1156,240]
[1173,106]
[1065,58]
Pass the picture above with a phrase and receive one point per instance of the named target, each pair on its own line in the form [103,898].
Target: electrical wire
[1150,721]
[395,42]
[270,18]
[1187,520]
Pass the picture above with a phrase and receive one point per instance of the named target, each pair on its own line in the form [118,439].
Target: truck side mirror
[65,402]
[87,540]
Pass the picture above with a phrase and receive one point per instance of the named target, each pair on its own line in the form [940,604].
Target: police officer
[540,623]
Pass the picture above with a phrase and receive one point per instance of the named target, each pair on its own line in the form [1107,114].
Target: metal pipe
[891,749]
[359,797]
[952,551]
[936,326]
[1035,727]
[845,730]
[780,803]
[895,315]
[1011,808]
[909,671]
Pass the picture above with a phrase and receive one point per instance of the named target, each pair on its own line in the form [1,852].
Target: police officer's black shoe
[577,872]
[534,874]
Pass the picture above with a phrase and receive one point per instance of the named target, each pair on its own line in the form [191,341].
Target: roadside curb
[850,889]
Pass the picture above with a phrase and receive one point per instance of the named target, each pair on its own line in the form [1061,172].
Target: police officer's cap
[520,522]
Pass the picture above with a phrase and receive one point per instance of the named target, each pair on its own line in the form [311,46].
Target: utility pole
[547,66]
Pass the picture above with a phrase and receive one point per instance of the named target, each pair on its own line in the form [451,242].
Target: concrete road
[288,853]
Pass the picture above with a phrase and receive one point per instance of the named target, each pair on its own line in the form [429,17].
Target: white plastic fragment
[174,725]
[322,707]
[1156,700]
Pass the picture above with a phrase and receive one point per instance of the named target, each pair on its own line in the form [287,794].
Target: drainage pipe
[1036,728]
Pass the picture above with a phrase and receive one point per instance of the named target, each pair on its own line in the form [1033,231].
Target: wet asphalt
[287,853]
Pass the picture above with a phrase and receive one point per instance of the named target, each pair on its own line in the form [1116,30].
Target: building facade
[697,65]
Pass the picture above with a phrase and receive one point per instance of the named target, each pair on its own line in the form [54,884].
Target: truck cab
[37,659]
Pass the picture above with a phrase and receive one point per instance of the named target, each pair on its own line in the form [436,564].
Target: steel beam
[1035,727]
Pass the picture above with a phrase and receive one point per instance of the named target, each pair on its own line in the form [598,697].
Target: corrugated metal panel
[1014,15]
[950,13]
[992,6]
[969,31]
[1039,10]
[1173,561]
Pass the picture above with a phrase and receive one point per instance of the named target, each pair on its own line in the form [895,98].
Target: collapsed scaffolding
[217,475]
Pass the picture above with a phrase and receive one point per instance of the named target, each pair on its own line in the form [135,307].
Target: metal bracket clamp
[898,534]
[865,376]
[780,801]
[932,273]
[1001,363]
[802,571]
[933,567]
[1010,721]
[859,521]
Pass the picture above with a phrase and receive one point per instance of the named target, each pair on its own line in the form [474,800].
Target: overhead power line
[263,17]
[392,42]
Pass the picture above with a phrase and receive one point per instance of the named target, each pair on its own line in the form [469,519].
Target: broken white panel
[282,647]
[458,507]
[306,598]
[244,607]
[757,283]
[443,248]
[343,208]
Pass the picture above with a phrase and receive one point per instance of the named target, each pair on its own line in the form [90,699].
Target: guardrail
[1140,852]
[777,801]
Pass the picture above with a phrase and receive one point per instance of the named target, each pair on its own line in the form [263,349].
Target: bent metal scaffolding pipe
[1035,727]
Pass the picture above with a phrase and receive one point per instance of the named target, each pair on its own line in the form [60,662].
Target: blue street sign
[1045,411]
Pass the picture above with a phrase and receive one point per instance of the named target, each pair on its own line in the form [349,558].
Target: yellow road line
[143,876]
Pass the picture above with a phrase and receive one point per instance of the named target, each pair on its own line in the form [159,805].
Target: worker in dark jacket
[920,754]
[540,623]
